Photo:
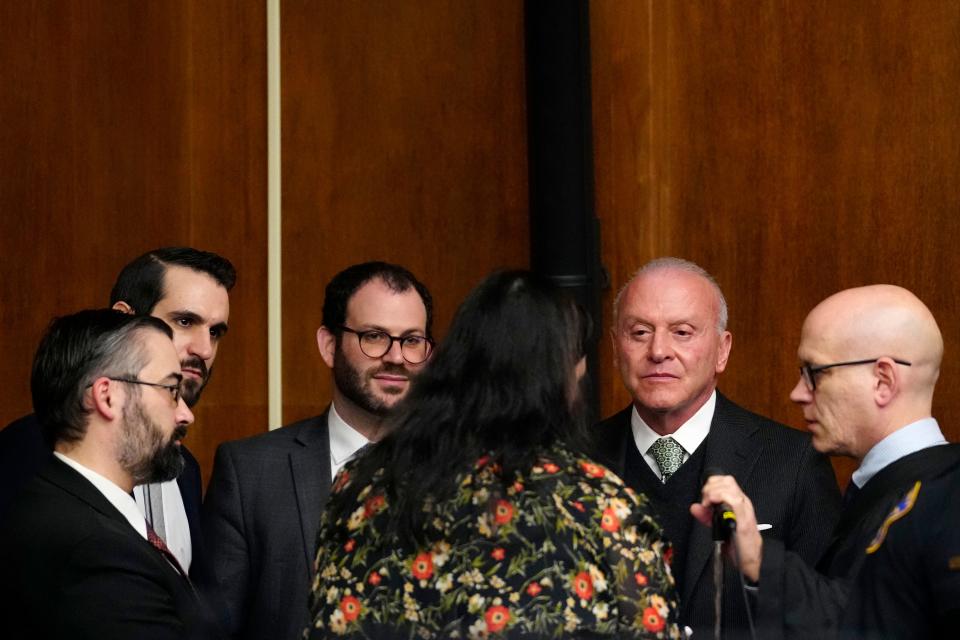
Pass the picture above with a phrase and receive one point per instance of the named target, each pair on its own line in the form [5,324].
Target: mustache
[179,432]
[193,362]
[392,369]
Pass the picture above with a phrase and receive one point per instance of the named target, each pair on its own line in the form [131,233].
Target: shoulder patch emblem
[899,510]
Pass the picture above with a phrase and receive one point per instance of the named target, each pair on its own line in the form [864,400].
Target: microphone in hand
[724,520]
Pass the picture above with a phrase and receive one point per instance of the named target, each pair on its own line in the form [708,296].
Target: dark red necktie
[162,547]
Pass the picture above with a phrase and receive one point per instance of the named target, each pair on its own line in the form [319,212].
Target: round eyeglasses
[376,344]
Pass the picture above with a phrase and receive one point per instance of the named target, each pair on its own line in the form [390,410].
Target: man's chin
[191,390]
[168,465]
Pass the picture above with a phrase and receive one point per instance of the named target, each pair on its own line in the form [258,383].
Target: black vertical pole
[564,232]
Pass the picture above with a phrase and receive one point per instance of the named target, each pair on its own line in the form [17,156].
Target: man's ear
[103,398]
[120,305]
[327,345]
[726,342]
[887,383]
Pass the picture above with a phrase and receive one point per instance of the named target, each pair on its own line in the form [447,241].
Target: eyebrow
[403,334]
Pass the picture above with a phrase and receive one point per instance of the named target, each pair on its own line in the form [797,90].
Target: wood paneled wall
[127,126]
[404,139]
[792,149]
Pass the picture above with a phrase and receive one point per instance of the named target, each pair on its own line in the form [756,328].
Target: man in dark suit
[266,495]
[79,559]
[870,360]
[187,289]
[670,345]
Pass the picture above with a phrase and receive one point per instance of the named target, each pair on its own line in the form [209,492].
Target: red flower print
[498,554]
[652,620]
[578,506]
[640,578]
[374,578]
[350,544]
[342,480]
[497,618]
[609,520]
[592,470]
[503,512]
[518,486]
[534,589]
[350,607]
[549,467]
[422,566]
[372,505]
[583,585]
[482,462]
[668,556]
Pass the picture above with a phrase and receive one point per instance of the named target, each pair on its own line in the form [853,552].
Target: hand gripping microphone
[724,520]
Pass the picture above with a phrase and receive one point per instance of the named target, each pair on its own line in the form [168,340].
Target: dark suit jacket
[798,601]
[260,520]
[792,487]
[73,567]
[23,453]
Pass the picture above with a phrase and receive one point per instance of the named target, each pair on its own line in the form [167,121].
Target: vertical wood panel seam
[274,262]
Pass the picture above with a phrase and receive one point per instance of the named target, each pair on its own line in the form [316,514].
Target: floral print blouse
[565,551]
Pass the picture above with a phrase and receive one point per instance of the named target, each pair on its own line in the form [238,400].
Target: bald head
[875,356]
[878,320]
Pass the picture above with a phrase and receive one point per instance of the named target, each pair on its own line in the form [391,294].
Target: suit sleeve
[225,543]
[794,600]
[816,507]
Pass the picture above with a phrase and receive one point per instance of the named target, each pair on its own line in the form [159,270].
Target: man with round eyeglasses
[267,493]
[870,358]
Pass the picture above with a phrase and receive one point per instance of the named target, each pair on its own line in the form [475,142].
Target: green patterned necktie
[669,456]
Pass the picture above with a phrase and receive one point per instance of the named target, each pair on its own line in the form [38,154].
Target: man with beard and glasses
[265,497]
[78,557]
[188,290]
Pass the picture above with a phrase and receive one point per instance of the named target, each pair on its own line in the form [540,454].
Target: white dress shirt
[175,523]
[114,494]
[345,441]
[690,435]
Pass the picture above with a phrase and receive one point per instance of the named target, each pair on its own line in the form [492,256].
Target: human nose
[183,414]
[201,344]
[395,353]
[659,347]
[801,393]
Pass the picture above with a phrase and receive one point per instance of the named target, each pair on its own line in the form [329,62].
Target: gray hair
[677,264]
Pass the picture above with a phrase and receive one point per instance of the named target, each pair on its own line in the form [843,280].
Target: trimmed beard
[191,388]
[355,384]
[143,453]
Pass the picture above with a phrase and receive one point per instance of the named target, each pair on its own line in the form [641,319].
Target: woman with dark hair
[475,517]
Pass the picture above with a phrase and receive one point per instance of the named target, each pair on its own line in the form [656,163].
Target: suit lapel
[730,448]
[310,469]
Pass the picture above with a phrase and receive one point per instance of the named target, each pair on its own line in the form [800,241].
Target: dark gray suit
[792,487]
[260,520]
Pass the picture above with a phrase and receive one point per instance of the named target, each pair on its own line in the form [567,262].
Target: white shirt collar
[918,435]
[690,435]
[344,440]
[116,496]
